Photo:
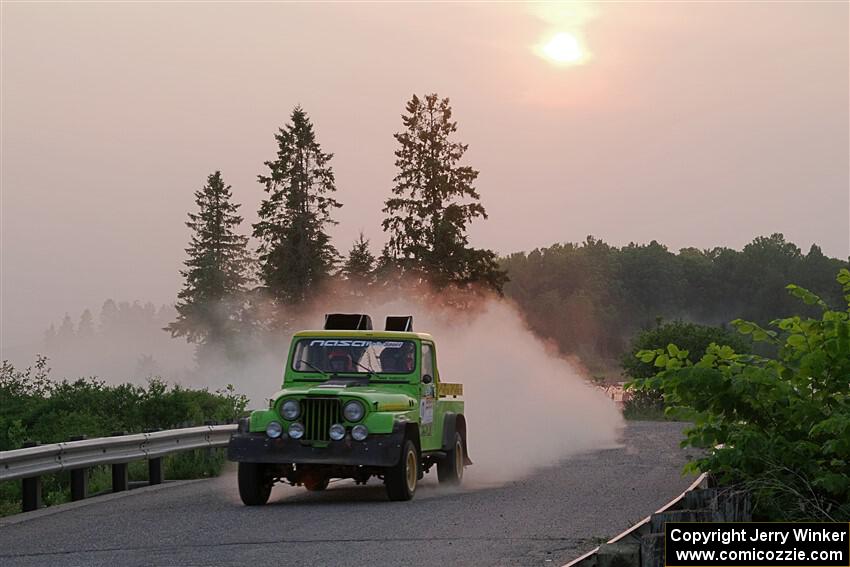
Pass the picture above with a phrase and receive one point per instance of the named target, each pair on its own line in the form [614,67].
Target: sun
[562,48]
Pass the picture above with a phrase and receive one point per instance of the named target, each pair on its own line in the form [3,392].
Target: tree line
[592,297]
[122,340]
[230,290]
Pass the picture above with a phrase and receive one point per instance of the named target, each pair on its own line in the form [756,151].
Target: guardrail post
[155,475]
[31,488]
[155,471]
[120,479]
[209,451]
[79,478]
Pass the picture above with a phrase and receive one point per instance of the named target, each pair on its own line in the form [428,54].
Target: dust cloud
[526,406]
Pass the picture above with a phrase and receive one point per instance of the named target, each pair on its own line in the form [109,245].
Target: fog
[696,124]
[522,397]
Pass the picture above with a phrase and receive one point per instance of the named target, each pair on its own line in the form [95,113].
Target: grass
[637,413]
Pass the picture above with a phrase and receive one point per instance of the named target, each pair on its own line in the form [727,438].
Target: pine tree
[359,266]
[85,328]
[209,305]
[108,318]
[434,200]
[66,334]
[295,251]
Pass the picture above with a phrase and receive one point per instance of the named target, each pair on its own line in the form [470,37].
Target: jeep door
[428,431]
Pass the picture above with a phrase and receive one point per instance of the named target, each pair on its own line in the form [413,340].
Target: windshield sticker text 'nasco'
[355,343]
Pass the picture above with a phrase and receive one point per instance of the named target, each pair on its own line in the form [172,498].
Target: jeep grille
[318,415]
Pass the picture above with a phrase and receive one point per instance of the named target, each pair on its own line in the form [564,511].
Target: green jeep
[355,403]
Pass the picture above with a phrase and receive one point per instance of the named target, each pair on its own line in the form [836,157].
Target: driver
[399,359]
[408,357]
[340,361]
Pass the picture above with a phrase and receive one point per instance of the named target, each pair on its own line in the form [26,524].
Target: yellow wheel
[450,469]
[401,478]
[410,471]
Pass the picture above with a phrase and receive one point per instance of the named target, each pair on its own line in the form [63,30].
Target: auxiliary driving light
[296,430]
[359,432]
[274,430]
[337,432]
[290,410]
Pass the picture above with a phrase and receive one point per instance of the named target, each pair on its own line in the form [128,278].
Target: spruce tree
[85,328]
[209,305]
[66,333]
[359,266]
[434,200]
[295,251]
[108,317]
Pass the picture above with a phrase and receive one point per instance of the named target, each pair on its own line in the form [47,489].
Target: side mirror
[427,379]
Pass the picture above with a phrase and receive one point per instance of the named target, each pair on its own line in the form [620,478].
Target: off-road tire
[255,484]
[401,478]
[450,469]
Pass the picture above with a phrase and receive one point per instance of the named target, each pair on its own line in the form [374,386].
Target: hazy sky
[693,124]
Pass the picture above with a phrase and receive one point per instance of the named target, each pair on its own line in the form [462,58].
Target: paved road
[547,519]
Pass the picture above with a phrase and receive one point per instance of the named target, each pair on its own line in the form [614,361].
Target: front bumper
[380,450]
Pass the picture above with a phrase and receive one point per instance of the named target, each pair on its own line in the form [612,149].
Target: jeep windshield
[354,356]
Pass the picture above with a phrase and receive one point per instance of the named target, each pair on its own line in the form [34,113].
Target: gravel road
[548,518]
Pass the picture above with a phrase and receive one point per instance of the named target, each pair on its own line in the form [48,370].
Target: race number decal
[426,410]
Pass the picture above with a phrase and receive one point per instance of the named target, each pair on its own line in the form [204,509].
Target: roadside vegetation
[591,298]
[777,425]
[648,403]
[37,408]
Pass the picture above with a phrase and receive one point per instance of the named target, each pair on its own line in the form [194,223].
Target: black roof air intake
[348,322]
[403,323]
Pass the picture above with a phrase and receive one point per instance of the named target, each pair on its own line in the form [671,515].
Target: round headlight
[274,430]
[359,432]
[353,411]
[337,432]
[290,410]
[296,431]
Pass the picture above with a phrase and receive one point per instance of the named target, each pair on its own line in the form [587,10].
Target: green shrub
[691,337]
[34,407]
[648,403]
[37,408]
[778,425]
[194,464]
[645,405]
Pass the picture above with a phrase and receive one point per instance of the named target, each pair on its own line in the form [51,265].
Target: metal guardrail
[31,463]
[58,457]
